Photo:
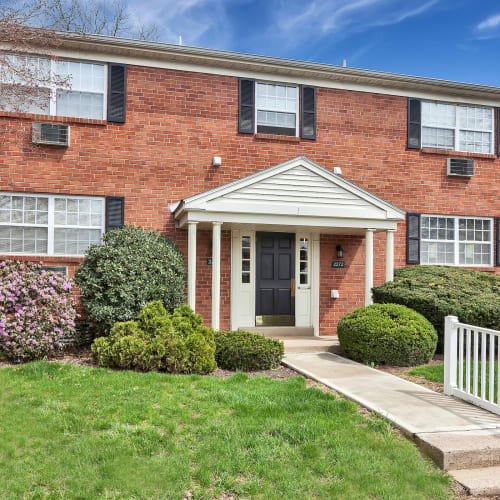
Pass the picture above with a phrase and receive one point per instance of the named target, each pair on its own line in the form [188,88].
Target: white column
[216,237]
[389,255]
[368,266]
[192,264]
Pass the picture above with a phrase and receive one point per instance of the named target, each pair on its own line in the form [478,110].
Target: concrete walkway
[460,437]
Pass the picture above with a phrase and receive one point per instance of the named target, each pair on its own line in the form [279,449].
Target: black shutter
[414,123]
[497,220]
[246,106]
[115,212]
[413,238]
[308,116]
[117,92]
[498,131]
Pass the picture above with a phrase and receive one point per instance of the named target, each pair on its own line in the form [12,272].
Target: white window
[245,258]
[459,241]
[457,127]
[277,108]
[303,261]
[49,224]
[64,88]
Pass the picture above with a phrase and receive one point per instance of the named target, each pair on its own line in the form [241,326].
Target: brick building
[290,187]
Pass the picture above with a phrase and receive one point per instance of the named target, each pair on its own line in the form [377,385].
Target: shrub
[439,291]
[387,333]
[178,343]
[238,350]
[131,268]
[36,311]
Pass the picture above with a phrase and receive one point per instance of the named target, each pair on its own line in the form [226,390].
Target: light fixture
[216,161]
[340,252]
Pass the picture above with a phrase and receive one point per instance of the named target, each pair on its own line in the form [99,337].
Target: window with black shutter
[412,238]
[308,118]
[246,106]
[117,92]
[498,240]
[115,212]
[414,123]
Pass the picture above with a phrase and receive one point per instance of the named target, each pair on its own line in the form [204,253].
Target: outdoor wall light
[340,252]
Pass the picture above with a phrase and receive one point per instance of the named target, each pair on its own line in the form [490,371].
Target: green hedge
[178,343]
[239,350]
[131,268]
[439,291]
[387,334]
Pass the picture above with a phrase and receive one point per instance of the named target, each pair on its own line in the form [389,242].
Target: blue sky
[449,39]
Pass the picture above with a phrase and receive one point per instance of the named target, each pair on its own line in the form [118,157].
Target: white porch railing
[471,361]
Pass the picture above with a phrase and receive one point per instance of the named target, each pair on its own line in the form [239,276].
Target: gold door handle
[292,285]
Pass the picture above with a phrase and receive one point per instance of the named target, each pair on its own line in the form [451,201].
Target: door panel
[275,301]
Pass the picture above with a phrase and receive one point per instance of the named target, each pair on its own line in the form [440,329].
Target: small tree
[131,268]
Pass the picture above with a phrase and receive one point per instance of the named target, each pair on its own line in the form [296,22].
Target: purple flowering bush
[36,311]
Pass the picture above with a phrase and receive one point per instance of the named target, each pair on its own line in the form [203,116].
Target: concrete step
[311,344]
[281,331]
[472,449]
[479,482]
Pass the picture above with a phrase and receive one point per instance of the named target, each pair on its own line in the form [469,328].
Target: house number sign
[338,264]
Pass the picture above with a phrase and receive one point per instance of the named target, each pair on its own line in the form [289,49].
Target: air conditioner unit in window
[463,167]
[55,134]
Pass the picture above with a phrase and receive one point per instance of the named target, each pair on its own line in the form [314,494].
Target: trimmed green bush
[178,343]
[131,268]
[387,334]
[239,350]
[439,291]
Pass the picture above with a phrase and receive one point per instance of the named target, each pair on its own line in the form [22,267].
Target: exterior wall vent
[463,167]
[55,134]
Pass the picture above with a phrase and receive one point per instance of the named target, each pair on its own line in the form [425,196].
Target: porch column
[369,266]
[192,264]
[216,235]
[389,255]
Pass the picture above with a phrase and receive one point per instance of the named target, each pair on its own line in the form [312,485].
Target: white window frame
[456,241]
[53,88]
[297,112]
[457,128]
[51,226]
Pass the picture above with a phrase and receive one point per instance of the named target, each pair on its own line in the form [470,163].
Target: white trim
[303,300]
[368,266]
[160,55]
[51,226]
[389,255]
[201,201]
[315,282]
[191,277]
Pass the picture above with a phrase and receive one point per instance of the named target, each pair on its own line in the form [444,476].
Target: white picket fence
[470,355]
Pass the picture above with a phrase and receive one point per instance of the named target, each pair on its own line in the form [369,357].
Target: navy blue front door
[275,277]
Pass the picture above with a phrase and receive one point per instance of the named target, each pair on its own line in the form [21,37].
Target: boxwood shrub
[131,268]
[239,350]
[387,334]
[439,291]
[176,343]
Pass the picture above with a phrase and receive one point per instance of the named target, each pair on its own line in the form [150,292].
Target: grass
[435,373]
[79,432]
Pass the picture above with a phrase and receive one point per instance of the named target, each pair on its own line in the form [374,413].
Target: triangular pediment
[297,187]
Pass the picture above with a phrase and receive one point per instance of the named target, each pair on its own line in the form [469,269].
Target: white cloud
[339,18]
[489,23]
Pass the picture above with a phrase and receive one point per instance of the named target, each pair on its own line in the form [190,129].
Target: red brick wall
[177,121]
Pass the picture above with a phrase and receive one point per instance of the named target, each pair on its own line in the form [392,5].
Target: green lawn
[435,373]
[81,432]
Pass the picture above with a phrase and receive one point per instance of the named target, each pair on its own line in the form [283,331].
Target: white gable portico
[298,198]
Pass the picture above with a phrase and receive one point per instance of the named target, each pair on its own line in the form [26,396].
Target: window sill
[51,118]
[273,137]
[449,152]
[45,259]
